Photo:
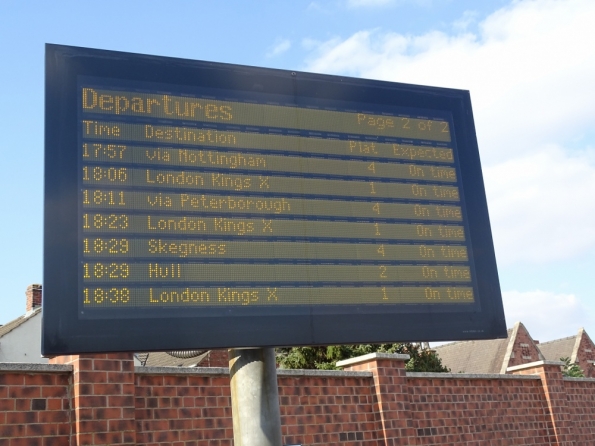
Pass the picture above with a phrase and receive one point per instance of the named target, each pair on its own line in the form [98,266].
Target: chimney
[33,294]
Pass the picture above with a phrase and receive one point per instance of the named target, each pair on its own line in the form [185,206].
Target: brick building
[493,355]
[20,339]
[579,348]
[498,355]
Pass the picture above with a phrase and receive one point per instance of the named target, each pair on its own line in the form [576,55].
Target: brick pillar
[552,382]
[392,396]
[33,295]
[102,398]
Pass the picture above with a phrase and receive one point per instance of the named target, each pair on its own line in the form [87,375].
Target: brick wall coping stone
[532,365]
[468,376]
[218,371]
[371,356]
[199,371]
[32,368]
[322,373]
[580,380]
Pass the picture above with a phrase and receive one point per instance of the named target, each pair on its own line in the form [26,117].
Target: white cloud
[541,205]
[279,48]
[530,69]
[546,315]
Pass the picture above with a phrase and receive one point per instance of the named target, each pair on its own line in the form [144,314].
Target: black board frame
[65,332]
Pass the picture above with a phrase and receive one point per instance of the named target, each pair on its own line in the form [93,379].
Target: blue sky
[529,66]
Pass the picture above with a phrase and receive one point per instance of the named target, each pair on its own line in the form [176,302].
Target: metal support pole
[255,397]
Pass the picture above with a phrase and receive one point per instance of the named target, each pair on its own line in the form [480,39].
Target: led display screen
[199,205]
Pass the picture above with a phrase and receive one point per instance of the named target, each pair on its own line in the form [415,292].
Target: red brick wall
[479,411]
[552,383]
[189,409]
[581,405]
[327,410]
[183,410]
[34,409]
[377,403]
[391,401]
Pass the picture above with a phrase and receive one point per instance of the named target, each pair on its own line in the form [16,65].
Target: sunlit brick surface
[104,400]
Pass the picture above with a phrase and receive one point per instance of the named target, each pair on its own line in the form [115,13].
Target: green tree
[571,370]
[325,358]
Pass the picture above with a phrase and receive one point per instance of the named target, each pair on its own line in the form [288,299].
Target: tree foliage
[326,357]
[571,370]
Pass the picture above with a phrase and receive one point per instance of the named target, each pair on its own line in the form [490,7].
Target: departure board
[199,205]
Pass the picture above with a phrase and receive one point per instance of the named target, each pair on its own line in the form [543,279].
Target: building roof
[164,359]
[558,348]
[478,357]
[8,327]
[492,355]
[564,348]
